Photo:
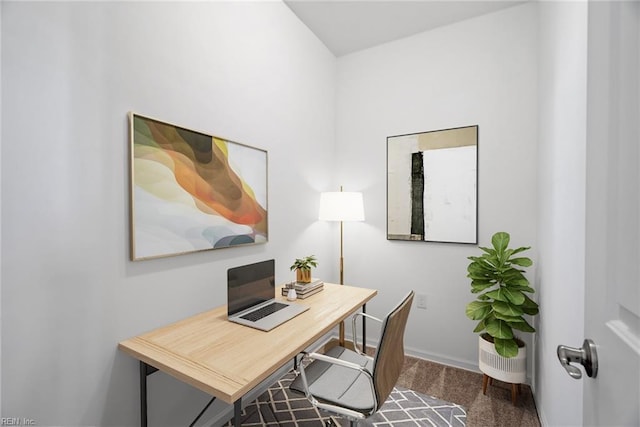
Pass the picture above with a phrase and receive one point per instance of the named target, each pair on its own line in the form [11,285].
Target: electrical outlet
[421,301]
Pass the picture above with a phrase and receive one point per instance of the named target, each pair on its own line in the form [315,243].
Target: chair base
[331,422]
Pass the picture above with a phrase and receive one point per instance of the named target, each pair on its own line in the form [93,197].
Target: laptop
[251,292]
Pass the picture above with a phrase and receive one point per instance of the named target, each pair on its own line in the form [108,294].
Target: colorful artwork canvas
[193,192]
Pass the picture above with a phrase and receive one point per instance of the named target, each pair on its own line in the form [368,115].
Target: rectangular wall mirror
[432,186]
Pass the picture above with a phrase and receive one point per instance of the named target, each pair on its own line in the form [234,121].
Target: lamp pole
[341,252]
[341,330]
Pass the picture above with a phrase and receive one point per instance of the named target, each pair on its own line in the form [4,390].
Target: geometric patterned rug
[279,406]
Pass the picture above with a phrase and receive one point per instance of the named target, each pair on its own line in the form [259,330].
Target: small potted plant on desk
[303,266]
[499,308]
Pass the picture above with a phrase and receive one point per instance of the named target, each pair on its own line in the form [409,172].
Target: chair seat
[339,385]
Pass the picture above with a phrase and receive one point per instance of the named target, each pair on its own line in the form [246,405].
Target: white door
[612,306]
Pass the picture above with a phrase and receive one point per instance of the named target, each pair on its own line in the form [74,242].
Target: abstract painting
[193,192]
[432,192]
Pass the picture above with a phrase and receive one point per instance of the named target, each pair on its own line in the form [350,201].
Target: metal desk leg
[143,394]
[145,371]
[364,329]
[237,409]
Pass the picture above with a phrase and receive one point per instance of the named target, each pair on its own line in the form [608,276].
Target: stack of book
[304,290]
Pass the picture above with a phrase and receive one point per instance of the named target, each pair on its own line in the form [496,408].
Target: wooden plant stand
[516,389]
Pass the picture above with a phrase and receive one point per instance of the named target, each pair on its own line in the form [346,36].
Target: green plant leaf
[529,306]
[523,326]
[506,308]
[476,276]
[479,327]
[523,288]
[492,262]
[500,241]
[478,310]
[497,295]
[506,347]
[489,251]
[482,282]
[522,262]
[513,275]
[499,329]
[477,268]
[521,249]
[482,258]
[480,285]
[508,319]
[482,279]
[517,282]
[514,296]
[507,254]
[506,294]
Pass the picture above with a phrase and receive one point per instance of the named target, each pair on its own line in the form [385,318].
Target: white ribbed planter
[512,370]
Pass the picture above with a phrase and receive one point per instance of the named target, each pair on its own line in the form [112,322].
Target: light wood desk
[227,360]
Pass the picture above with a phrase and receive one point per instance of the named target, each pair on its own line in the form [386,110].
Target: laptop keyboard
[263,311]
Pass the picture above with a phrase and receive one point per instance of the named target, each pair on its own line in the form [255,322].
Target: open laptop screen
[249,285]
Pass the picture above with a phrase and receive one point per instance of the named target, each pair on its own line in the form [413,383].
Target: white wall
[250,72]
[561,160]
[477,72]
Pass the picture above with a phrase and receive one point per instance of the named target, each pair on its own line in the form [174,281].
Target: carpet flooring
[465,388]
[279,406]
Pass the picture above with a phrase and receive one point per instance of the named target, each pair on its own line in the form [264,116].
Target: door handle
[585,355]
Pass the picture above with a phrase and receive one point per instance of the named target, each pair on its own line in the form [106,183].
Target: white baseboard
[443,360]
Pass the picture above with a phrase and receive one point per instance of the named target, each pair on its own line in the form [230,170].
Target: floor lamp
[341,206]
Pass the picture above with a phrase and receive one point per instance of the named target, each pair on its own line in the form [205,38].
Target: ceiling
[349,26]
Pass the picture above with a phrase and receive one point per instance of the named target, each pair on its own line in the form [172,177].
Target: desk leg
[143,394]
[145,371]
[364,330]
[237,410]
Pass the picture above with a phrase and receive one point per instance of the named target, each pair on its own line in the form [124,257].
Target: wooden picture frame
[191,191]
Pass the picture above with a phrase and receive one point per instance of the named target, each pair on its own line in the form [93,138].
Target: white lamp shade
[341,206]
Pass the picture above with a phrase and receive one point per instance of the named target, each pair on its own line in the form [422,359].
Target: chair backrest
[389,357]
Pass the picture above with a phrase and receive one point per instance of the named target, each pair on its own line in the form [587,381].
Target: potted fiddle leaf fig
[501,304]
[302,267]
